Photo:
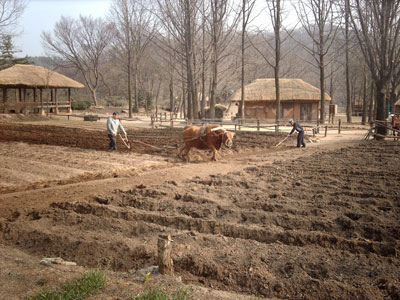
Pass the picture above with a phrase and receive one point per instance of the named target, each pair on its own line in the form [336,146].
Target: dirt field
[314,223]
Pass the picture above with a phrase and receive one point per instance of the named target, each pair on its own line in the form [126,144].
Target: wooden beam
[34,94]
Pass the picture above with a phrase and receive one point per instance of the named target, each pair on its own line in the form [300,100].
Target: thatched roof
[397,102]
[290,90]
[35,76]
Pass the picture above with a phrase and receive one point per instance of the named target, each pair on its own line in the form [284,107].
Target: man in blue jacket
[300,135]
[113,124]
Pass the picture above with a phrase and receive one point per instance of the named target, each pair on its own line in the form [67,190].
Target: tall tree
[135,27]
[246,13]
[377,27]
[347,38]
[223,22]
[319,20]
[80,43]
[180,21]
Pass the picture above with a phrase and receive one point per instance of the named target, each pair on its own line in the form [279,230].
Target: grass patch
[159,294]
[76,289]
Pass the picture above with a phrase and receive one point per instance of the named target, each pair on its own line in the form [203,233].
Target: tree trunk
[277,62]
[189,55]
[364,105]
[171,95]
[380,106]
[135,89]
[241,106]
[158,94]
[94,96]
[129,87]
[322,87]
[371,105]
[348,99]
[203,71]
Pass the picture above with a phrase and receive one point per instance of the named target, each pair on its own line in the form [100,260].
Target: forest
[186,55]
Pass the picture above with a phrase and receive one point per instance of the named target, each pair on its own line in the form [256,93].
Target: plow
[128,143]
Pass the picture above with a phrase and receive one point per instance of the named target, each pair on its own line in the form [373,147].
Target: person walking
[113,124]
[300,135]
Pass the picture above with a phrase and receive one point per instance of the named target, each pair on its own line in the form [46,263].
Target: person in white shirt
[390,117]
[113,124]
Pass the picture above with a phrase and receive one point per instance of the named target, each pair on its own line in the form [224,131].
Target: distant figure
[300,135]
[390,117]
[112,127]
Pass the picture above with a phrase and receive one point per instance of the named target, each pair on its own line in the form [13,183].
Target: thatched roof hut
[290,89]
[219,111]
[35,76]
[27,83]
[299,99]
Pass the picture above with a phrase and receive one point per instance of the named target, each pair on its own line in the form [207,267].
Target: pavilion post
[69,101]
[41,101]
[51,100]
[5,99]
[56,100]
[24,108]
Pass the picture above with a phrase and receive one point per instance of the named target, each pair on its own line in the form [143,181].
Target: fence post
[326,130]
[258,124]
[340,126]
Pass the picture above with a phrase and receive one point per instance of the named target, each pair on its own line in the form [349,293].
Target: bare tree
[246,12]
[10,12]
[377,27]
[318,20]
[134,29]
[81,44]
[180,21]
[223,22]
[347,38]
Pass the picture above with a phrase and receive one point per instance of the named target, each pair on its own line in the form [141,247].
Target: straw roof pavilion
[24,77]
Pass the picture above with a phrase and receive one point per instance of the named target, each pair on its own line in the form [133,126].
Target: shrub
[81,105]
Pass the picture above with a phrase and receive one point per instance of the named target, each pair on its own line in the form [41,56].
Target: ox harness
[203,133]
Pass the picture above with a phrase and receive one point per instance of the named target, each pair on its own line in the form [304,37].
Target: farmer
[112,127]
[300,135]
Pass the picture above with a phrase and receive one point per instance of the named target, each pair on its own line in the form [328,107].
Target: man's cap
[290,121]
[115,113]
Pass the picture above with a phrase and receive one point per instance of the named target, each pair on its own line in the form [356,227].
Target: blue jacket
[297,127]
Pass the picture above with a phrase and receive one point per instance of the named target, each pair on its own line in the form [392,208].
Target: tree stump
[165,263]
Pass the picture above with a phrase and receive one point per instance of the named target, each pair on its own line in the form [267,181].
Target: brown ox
[211,137]
[396,126]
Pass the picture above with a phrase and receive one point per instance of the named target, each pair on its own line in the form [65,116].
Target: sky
[43,14]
